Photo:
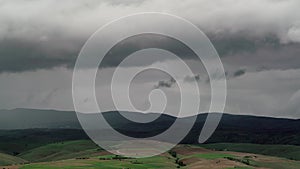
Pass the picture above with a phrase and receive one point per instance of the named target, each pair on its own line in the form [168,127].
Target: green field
[84,154]
[211,156]
[93,163]
[6,159]
[286,151]
[60,151]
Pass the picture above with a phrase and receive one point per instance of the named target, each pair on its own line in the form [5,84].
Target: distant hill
[232,128]
[32,118]
[6,159]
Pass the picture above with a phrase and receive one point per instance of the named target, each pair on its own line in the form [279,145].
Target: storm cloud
[167,83]
[47,34]
[258,42]
[239,73]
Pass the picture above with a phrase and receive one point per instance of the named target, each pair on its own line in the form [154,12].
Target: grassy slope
[81,148]
[68,151]
[161,162]
[95,163]
[6,159]
[286,151]
[19,141]
[210,156]
[165,161]
[61,150]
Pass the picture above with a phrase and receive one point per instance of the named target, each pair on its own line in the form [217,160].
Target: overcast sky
[258,42]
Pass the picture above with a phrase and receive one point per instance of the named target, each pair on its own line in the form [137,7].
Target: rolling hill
[6,159]
[232,128]
[83,154]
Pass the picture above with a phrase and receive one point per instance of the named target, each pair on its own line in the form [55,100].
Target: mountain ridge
[232,128]
[19,118]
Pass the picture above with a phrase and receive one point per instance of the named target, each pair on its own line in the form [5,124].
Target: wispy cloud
[165,84]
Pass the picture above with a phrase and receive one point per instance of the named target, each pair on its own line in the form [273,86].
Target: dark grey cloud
[240,72]
[266,57]
[47,34]
[165,83]
[231,44]
[192,78]
[135,43]
[20,55]
[260,36]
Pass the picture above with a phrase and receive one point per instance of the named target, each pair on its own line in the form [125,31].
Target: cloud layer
[258,41]
[50,33]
